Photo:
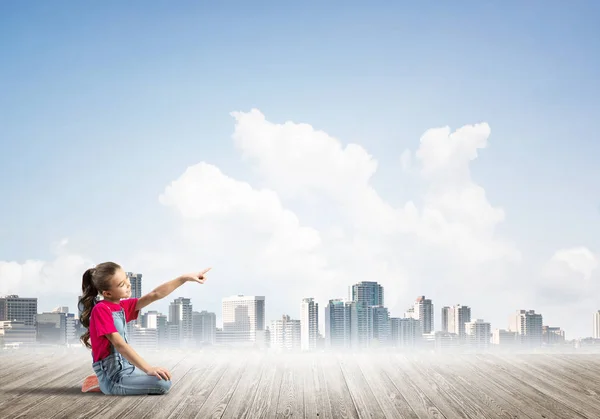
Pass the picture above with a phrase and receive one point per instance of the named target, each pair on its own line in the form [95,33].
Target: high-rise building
[285,334]
[15,308]
[504,337]
[361,325]
[405,332]
[367,292]
[136,284]
[381,325]
[423,311]
[180,314]
[242,317]
[596,331]
[528,325]
[478,333]
[205,327]
[149,319]
[552,335]
[309,324]
[445,318]
[458,315]
[337,324]
[51,328]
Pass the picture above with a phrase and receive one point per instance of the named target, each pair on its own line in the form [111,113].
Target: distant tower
[136,284]
[243,316]
[367,292]
[309,324]
[180,315]
[445,318]
[337,324]
[423,311]
[596,334]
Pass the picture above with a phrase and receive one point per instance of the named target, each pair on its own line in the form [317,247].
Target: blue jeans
[117,376]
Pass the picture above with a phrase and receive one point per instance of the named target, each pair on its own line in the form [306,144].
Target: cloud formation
[315,224]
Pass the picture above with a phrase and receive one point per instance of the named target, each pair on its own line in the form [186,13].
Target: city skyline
[439,152]
[455,318]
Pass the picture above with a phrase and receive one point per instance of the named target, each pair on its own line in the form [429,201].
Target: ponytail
[95,280]
[87,303]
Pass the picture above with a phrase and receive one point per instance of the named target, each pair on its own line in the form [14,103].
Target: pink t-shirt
[102,323]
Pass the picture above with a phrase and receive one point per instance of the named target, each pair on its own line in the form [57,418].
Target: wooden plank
[291,397]
[266,397]
[547,366]
[338,393]
[316,403]
[538,402]
[392,401]
[479,387]
[216,402]
[367,405]
[429,369]
[241,401]
[548,386]
[198,386]
[58,379]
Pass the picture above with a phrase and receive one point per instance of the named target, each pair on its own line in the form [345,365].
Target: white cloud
[58,277]
[296,159]
[316,224]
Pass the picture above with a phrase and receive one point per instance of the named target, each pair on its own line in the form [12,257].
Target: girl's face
[120,287]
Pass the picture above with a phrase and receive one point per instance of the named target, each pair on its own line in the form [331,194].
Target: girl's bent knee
[163,386]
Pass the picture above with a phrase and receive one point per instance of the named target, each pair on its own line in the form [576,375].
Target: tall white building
[406,332]
[180,316]
[423,311]
[596,332]
[285,334]
[205,327]
[309,324]
[337,324]
[458,316]
[478,334]
[528,325]
[243,316]
[504,337]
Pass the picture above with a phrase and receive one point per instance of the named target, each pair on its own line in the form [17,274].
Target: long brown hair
[95,281]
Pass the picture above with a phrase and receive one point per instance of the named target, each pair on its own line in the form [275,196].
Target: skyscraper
[381,324]
[478,333]
[13,307]
[445,318]
[423,311]
[180,314]
[337,324]
[309,324]
[596,331]
[367,292]
[243,316]
[458,315]
[285,334]
[205,327]
[528,325]
[136,284]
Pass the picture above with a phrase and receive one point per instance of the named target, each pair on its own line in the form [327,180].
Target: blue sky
[102,106]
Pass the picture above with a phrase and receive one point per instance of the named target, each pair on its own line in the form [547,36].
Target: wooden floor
[209,385]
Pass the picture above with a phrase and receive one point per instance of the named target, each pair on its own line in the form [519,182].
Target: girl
[119,369]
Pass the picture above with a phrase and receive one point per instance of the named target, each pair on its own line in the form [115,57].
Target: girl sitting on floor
[118,367]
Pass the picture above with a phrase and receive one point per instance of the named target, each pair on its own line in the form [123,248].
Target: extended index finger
[205,271]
